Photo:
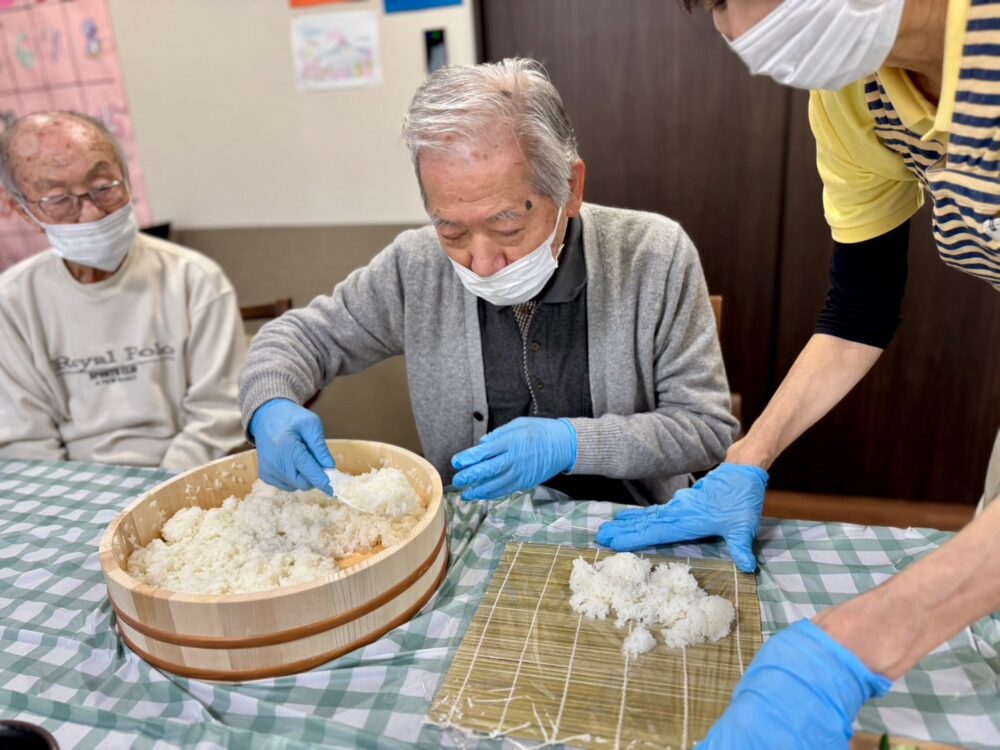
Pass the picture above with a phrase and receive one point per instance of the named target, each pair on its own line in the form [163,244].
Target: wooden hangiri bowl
[281,631]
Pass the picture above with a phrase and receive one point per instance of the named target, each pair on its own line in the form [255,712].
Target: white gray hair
[459,104]
[8,177]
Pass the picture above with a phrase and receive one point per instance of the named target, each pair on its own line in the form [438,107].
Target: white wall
[225,138]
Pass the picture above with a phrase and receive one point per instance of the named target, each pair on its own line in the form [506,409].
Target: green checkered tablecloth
[62,666]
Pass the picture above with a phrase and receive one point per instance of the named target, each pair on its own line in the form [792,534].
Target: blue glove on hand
[518,456]
[291,451]
[801,692]
[725,502]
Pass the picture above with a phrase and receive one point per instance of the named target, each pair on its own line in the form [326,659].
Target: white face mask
[518,282]
[99,244]
[821,44]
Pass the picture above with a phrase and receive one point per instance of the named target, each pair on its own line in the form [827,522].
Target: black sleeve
[867,280]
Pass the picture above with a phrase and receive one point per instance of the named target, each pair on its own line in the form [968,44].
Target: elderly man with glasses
[116,347]
[547,340]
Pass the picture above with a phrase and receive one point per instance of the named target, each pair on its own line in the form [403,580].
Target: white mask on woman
[99,244]
[821,44]
[518,282]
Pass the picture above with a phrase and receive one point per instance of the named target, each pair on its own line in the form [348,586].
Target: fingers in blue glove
[291,449]
[517,456]
[498,487]
[502,430]
[482,471]
[476,454]
[643,520]
[610,530]
[276,480]
[740,546]
[289,481]
[664,510]
[309,469]
[312,436]
[301,483]
[625,536]
[726,502]
[620,539]
[633,513]
[800,666]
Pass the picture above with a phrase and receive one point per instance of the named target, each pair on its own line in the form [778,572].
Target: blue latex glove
[801,692]
[518,456]
[725,502]
[291,450]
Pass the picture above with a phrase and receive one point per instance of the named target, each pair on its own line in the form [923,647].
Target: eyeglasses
[107,197]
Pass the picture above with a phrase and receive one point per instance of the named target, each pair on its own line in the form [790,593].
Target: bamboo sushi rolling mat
[63,666]
[530,667]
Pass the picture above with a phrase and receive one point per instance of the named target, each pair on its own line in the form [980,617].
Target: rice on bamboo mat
[530,667]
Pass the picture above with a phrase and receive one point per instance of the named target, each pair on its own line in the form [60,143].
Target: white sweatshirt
[139,369]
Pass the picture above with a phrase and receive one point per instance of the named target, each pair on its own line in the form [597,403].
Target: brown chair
[260,314]
[265,312]
[268,312]
[736,403]
[716,300]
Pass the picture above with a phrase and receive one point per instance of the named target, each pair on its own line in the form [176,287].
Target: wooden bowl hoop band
[284,636]
[228,675]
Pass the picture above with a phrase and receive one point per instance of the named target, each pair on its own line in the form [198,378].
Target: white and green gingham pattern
[62,666]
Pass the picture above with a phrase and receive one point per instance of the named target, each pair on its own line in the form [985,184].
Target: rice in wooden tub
[272,538]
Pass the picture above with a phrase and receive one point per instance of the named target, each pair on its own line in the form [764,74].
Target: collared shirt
[535,359]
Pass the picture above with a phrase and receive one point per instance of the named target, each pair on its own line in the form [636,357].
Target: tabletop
[63,666]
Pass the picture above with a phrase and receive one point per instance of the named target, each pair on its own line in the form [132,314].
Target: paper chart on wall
[61,54]
[336,51]
[402,6]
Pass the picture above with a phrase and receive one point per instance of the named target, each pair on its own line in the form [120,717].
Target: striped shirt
[952,153]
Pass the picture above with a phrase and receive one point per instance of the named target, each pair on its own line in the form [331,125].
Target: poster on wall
[401,6]
[336,51]
[60,54]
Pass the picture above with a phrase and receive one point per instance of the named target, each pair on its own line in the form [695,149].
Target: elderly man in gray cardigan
[547,340]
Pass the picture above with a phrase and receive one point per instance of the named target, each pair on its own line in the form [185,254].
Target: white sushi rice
[666,597]
[271,538]
[384,491]
[639,641]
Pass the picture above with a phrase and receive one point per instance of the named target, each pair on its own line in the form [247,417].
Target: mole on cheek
[528,205]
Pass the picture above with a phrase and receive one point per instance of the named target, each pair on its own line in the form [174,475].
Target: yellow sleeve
[867,189]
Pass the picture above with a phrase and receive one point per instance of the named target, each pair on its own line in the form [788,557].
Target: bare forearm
[824,372]
[893,626]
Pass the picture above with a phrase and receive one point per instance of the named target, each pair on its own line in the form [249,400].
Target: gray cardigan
[657,381]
